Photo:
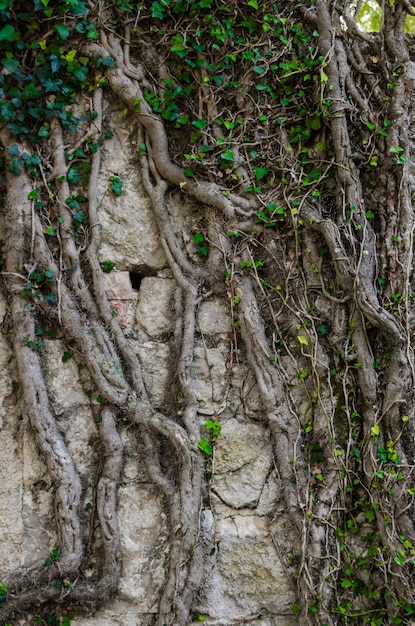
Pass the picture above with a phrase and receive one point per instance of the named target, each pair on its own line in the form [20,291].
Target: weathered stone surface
[277,620]
[155,363]
[39,535]
[144,540]
[120,613]
[11,465]
[62,378]
[248,579]
[243,380]
[154,312]
[120,295]
[129,233]
[242,462]
[118,285]
[120,309]
[269,499]
[214,318]
[11,493]
[209,378]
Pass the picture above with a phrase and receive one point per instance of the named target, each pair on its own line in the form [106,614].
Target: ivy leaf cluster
[42,70]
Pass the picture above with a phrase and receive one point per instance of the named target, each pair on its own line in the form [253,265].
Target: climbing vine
[291,130]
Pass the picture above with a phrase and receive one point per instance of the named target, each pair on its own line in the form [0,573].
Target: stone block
[155,361]
[248,578]
[209,378]
[62,378]
[154,312]
[242,461]
[144,536]
[129,231]
[214,317]
[121,310]
[118,285]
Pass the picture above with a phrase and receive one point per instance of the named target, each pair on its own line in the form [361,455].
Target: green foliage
[214,429]
[249,264]
[39,285]
[50,620]
[34,344]
[202,246]
[296,609]
[3,594]
[270,216]
[52,558]
[400,158]
[224,46]
[42,69]
[116,185]
[168,104]
[107,266]
[205,446]
[66,356]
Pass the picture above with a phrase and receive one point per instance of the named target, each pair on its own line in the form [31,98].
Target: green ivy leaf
[10,65]
[116,185]
[105,62]
[13,150]
[3,594]
[124,6]
[50,297]
[203,251]
[63,31]
[198,238]
[107,266]
[43,132]
[49,274]
[79,216]
[81,74]
[92,32]
[73,202]
[228,155]
[205,446]
[73,175]
[8,33]
[5,4]
[158,9]
[260,172]
[200,124]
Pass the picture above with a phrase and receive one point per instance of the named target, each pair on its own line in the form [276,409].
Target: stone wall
[244,582]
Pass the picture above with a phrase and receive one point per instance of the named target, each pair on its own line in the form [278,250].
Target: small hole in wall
[135,280]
